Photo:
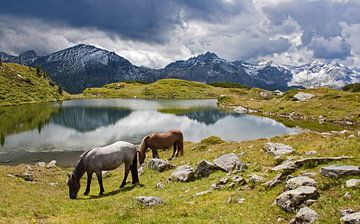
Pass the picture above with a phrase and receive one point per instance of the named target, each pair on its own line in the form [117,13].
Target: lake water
[79,125]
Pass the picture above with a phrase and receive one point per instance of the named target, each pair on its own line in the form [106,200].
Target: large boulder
[159,165]
[149,201]
[304,216]
[278,148]
[299,181]
[183,173]
[301,96]
[340,170]
[229,162]
[204,168]
[291,200]
[351,218]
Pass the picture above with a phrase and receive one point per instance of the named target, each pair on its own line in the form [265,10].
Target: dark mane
[80,166]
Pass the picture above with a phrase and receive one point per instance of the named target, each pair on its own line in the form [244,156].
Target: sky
[154,33]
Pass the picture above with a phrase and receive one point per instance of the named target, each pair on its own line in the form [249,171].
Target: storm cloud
[155,32]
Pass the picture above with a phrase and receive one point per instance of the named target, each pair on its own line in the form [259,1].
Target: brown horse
[156,141]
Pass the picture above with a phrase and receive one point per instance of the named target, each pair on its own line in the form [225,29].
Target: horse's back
[111,156]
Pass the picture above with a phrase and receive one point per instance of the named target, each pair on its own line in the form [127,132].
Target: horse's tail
[133,169]
[181,144]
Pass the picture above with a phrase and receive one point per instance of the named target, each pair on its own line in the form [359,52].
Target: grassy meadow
[46,199]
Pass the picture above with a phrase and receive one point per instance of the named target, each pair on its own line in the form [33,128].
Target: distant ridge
[83,66]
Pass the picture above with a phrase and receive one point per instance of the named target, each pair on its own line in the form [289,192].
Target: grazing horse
[156,141]
[103,158]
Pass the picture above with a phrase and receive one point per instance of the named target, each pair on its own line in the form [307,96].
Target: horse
[156,141]
[103,158]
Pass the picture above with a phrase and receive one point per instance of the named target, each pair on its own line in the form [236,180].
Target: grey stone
[340,170]
[203,193]
[352,183]
[300,181]
[305,215]
[254,178]
[160,185]
[238,180]
[229,162]
[149,201]
[159,165]
[266,94]
[291,200]
[51,164]
[301,96]
[204,168]
[311,152]
[278,148]
[277,179]
[278,93]
[41,164]
[352,218]
[183,173]
[27,176]
[241,110]
[293,165]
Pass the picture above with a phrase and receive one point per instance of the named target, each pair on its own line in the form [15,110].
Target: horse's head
[142,149]
[74,186]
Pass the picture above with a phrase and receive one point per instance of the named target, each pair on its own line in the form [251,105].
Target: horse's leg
[127,169]
[99,177]
[155,153]
[178,149]
[89,177]
[172,156]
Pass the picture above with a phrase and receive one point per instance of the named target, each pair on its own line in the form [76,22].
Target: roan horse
[103,158]
[156,141]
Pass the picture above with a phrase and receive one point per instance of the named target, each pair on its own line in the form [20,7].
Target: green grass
[161,89]
[355,87]
[228,85]
[39,202]
[333,105]
[22,85]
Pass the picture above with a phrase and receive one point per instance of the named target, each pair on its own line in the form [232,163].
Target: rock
[309,202]
[266,94]
[351,136]
[278,93]
[229,162]
[27,176]
[358,133]
[300,181]
[235,200]
[351,218]
[238,180]
[347,195]
[241,110]
[346,212]
[160,185]
[292,199]
[141,169]
[204,168]
[254,178]
[277,179]
[311,152]
[278,148]
[293,165]
[53,184]
[203,193]
[51,164]
[41,164]
[301,96]
[340,170]
[159,165]
[352,183]
[184,173]
[149,201]
[305,215]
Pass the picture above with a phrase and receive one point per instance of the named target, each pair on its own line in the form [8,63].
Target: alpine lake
[62,131]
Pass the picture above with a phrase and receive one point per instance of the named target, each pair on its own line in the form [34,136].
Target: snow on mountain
[316,74]
[84,66]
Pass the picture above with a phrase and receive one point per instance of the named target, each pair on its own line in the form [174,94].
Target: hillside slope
[22,84]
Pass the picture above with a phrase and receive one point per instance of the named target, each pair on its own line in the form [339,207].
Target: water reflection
[80,125]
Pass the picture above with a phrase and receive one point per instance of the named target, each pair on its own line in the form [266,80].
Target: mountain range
[84,66]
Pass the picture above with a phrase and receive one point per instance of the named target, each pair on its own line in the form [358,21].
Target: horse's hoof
[86,193]
[122,186]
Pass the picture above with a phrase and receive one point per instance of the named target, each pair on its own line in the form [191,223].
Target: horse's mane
[142,144]
[80,166]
